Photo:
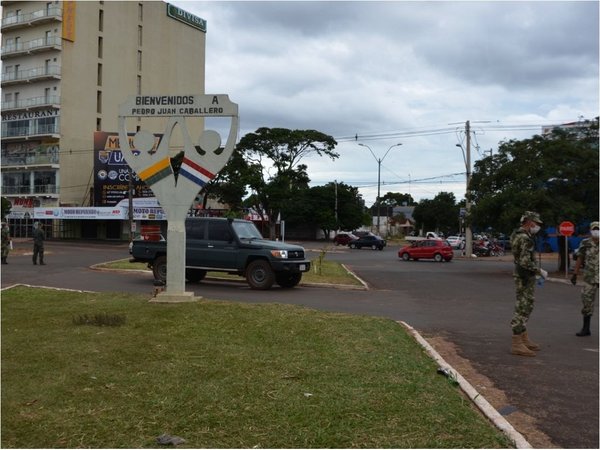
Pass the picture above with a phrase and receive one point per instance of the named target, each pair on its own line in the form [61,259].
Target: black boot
[585,331]
[4,260]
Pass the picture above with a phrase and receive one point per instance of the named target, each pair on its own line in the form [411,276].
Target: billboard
[111,171]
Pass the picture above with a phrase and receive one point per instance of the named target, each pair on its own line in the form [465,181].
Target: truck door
[195,242]
[221,246]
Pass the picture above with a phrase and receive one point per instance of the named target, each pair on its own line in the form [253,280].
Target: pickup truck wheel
[260,275]
[374,247]
[159,268]
[352,245]
[288,280]
[195,275]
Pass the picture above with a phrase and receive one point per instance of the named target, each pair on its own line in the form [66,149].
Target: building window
[140,12]
[48,37]
[99,74]
[98,124]
[139,60]
[139,35]
[101,20]
[100,46]
[47,95]
[99,102]
[139,85]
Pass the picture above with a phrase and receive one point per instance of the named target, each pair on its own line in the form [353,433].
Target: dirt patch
[523,423]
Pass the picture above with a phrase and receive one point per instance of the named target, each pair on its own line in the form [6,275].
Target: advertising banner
[111,172]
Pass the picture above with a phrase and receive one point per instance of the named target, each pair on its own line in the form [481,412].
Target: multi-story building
[66,68]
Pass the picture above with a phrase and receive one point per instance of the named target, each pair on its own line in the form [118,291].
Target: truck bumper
[291,266]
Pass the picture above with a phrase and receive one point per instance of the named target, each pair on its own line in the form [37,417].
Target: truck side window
[219,231]
[194,229]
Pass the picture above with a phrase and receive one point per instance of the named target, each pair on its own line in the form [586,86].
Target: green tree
[555,175]
[317,207]
[439,214]
[397,199]
[275,174]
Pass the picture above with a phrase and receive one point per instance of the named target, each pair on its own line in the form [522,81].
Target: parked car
[374,242]
[436,249]
[344,238]
[457,242]
[360,234]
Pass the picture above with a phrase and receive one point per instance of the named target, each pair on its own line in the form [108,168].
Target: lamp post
[379,160]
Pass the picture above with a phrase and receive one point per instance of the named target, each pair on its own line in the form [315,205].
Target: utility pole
[468,234]
[336,207]
[130,202]
[379,160]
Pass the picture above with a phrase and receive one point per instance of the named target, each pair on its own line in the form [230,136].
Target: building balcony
[19,161]
[31,75]
[51,14]
[30,47]
[10,134]
[21,190]
[45,101]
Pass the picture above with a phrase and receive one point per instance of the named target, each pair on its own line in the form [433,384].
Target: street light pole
[379,160]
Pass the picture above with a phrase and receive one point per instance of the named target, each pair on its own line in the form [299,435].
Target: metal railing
[29,190]
[31,46]
[31,74]
[36,129]
[53,12]
[44,100]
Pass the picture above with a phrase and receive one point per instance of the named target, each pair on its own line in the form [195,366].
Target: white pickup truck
[428,235]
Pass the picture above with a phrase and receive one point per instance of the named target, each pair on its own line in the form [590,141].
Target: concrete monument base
[181,297]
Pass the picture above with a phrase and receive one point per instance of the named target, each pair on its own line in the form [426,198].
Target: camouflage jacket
[523,249]
[38,237]
[588,251]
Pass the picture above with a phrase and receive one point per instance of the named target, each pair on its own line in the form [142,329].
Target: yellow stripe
[147,173]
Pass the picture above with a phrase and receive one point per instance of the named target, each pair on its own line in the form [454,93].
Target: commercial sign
[188,18]
[143,209]
[111,171]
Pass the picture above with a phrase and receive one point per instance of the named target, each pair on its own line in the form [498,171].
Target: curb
[488,410]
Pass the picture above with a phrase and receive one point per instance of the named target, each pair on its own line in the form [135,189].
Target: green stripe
[158,176]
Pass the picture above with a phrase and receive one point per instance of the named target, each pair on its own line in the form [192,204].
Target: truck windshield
[246,230]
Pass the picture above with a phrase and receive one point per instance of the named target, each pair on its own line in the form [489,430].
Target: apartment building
[66,68]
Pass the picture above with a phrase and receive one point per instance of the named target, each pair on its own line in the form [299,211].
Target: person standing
[588,260]
[526,270]
[5,242]
[38,243]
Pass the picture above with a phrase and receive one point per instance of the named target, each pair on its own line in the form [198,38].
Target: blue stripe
[191,177]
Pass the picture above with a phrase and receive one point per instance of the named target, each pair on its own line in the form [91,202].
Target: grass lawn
[331,272]
[219,374]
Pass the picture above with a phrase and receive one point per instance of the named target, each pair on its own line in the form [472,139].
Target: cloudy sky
[383,73]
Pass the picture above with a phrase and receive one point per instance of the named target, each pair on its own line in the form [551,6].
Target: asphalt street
[468,302]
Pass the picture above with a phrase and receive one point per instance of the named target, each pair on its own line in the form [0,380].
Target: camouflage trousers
[525,287]
[588,296]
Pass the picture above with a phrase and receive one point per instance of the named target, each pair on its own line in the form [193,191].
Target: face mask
[534,229]
[595,233]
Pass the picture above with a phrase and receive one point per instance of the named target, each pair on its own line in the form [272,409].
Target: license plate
[302,267]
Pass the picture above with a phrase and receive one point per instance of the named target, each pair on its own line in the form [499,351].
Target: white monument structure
[201,162]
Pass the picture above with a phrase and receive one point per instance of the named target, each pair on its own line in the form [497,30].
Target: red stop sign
[566,228]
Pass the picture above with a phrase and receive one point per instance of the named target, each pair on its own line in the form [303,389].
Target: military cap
[594,225]
[531,215]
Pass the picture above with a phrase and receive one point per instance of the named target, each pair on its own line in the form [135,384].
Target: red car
[344,238]
[436,249]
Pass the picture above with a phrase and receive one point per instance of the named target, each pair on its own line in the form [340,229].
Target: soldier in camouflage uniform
[5,242]
[38,243]
[588,259]
[526,270]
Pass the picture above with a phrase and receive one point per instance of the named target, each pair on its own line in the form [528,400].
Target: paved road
[470,303]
